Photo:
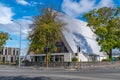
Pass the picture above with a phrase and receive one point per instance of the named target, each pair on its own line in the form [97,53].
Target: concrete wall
[75,64]
[68,57]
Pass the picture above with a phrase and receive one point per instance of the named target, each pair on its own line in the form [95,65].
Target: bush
[106,59]
[1,62]
[74,59]
[117,58]
[7,62]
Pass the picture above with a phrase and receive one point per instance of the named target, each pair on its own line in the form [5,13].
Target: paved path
[13,73]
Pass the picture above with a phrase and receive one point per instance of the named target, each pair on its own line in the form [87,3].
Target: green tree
[46,32]
[3,38]
[105,23]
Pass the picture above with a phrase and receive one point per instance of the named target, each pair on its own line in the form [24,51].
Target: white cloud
[23,2]
[37,4]
[25,26]
[106,3]
[33,3]
[5,14]
[75,9]
[13,29]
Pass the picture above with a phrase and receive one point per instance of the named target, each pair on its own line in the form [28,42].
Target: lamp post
[19,42]
[78,55]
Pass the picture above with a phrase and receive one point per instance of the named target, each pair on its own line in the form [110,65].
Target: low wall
[75,64]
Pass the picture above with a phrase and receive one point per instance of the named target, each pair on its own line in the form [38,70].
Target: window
[11,59]
[1,52]
[3,59]
[13,51]
[17,52]
[5,51]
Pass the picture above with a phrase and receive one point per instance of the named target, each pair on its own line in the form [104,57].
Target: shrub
[117,58]
[1,62]
[106,59]
[74,59]
[7,62]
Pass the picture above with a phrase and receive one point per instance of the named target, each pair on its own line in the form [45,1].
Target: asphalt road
[13,73]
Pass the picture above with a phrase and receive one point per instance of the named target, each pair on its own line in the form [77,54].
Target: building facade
[54,57]
[8,54]
[61,54]
[79,35]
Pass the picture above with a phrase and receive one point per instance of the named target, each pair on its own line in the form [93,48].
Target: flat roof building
[9,54]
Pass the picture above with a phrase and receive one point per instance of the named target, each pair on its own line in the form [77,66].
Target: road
[13,73]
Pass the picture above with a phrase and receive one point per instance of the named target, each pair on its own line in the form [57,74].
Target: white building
[78,34]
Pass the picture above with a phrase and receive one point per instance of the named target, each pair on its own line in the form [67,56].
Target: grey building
[9,54]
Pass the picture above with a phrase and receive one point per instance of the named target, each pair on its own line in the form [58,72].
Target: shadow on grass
[23,78]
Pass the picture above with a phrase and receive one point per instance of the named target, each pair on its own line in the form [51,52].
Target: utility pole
[78,53]
[19,61]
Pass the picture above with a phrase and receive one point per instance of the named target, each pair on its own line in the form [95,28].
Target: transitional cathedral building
[77,41]
[8,54]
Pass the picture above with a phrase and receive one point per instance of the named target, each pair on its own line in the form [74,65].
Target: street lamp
[19,41]
[78,53]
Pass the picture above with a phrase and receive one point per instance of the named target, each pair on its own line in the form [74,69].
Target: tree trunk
[110,54]
[47,60]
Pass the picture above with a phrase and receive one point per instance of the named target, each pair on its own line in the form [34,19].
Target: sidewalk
[56,68]
[41,68]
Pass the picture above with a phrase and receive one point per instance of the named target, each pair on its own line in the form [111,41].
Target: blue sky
[21,11]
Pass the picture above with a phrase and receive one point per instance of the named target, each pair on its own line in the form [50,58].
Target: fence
[74,64]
